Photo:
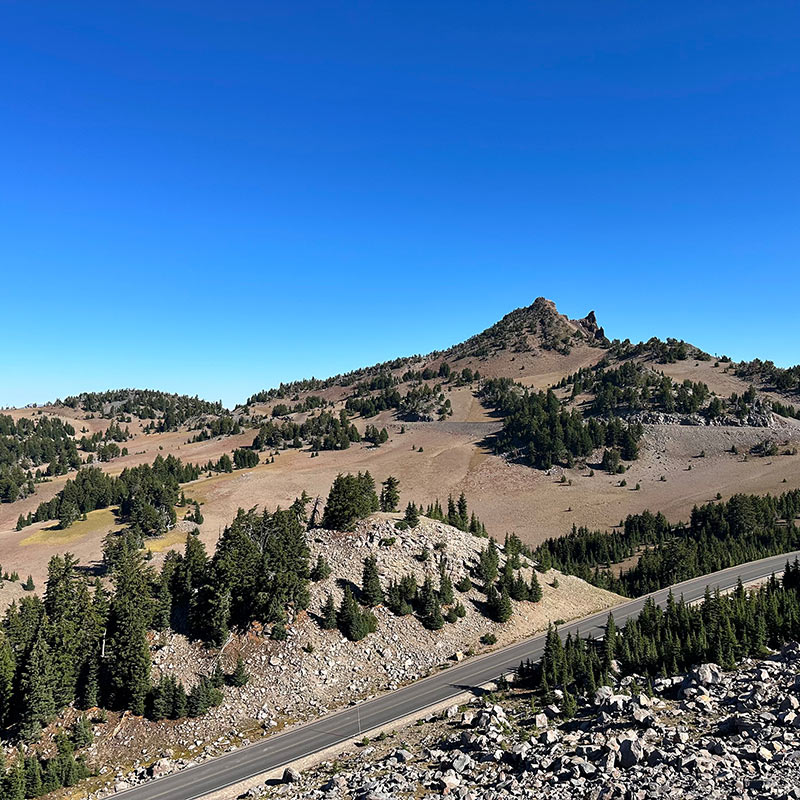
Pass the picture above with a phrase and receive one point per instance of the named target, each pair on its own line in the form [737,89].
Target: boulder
[631,753]
[290,775]
[644,717]
[602,694]
[541,720]
[449,781]
[789,703]
[549,737]
[461,762]
[707,674]
[161,767]
[617,703]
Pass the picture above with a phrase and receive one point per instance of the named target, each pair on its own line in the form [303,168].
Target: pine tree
[328,621]
[128,653]
[432,618]
[412,515]
[160,700]
[175,697]
[51,779]
[209,614]
[278,632]
[163,605]
[81,733]
[446,596]
[390,496]
[68,514]
[6,682]
[499,604]
[371,589]
[352,497]
[519,590]
[199,699]
[609,643]
[349,612]
[36,703]
[569,706]
[463,519]
[14,780]
[534,588]
[33,776]
[240,676]
[452,514]
[321,569]
[488,561]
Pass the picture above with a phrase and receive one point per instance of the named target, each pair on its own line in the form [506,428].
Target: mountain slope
[534,346]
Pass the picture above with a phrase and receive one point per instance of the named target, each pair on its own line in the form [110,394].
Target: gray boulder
[631,753]
[290,775]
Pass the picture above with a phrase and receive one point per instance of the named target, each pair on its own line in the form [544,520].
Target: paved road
[337,727]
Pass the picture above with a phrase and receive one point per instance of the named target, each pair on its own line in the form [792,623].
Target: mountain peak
[539,326]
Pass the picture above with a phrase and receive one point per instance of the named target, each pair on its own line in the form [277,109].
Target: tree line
[631,387]
[668,641]
[27,443]
[666,351]
[224,425]
[772,377]
[325,431]
[457,514]
[308,403]
[718,535]
[146,495]
[537,426]
[167,411]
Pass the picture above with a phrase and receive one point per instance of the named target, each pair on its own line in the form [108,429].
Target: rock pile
[708,734]
[314,671]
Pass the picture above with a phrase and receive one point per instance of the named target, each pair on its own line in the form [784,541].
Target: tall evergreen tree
[6,682]
[446,596]
[321,569]
[328,621]
[36,704]
[534,588]
[390,496]
[128,655]
[371,589]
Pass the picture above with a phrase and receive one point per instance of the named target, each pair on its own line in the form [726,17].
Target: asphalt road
[337,727]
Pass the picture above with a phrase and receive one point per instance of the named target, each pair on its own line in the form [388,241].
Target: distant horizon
[230,405]
[214,197]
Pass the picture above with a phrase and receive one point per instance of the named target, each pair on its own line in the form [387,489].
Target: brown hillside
[535,346]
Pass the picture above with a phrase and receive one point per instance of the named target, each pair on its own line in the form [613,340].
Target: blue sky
[214,197]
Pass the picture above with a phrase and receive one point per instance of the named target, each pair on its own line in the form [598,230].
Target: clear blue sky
[212,197]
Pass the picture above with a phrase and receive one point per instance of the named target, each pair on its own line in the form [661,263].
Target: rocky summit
[706,734]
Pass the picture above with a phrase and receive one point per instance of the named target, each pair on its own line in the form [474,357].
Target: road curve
[339,726]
